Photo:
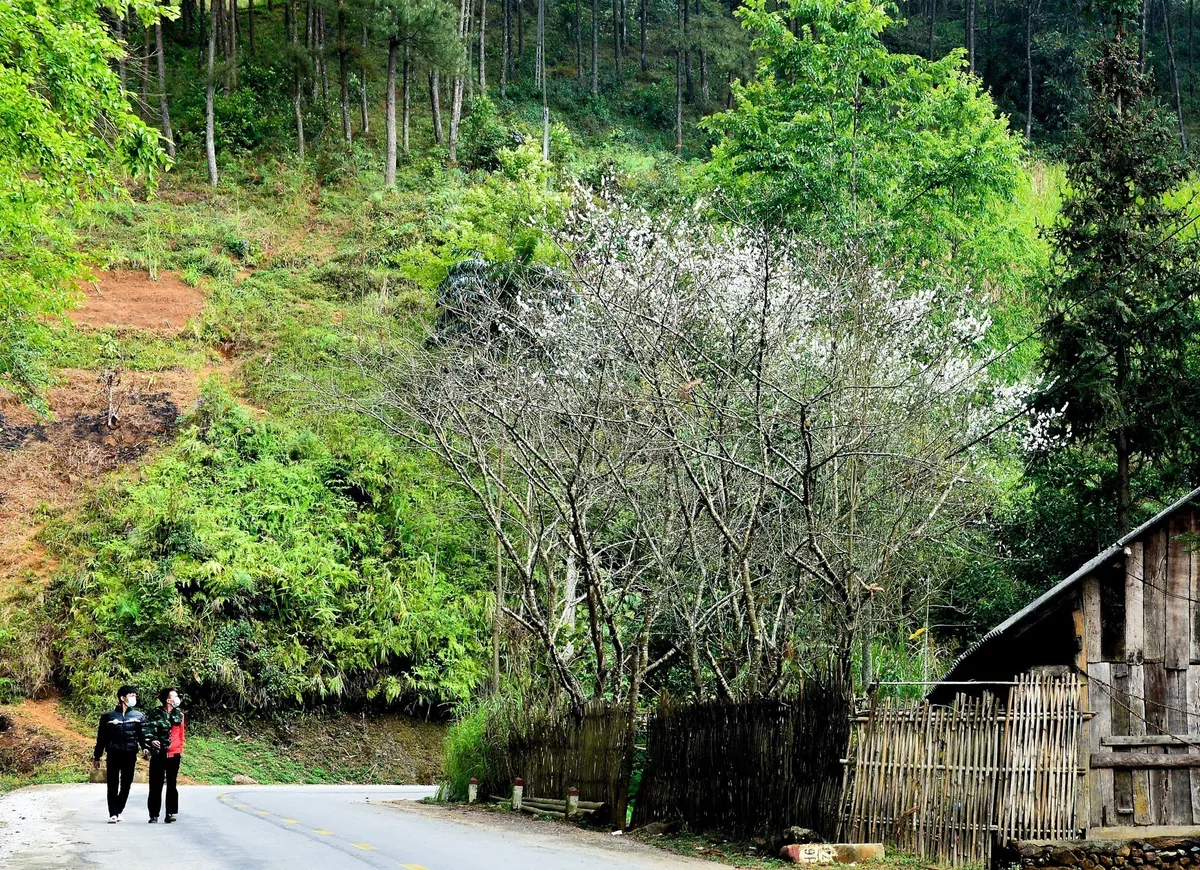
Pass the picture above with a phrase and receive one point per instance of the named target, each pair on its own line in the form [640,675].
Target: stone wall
[1167,853]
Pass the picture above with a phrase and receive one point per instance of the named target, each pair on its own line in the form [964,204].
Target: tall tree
[414,29]
[343,53]
[210,147]
[460,68]
[595,47]
[163,109]
[918,159]
[1119,337]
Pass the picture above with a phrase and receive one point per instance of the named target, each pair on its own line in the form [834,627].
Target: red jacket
[177,739]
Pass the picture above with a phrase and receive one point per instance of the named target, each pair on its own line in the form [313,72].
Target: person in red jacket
[165,732]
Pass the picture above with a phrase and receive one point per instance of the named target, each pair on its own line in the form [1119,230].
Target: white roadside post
[518,790]
[472,790]
[572,802]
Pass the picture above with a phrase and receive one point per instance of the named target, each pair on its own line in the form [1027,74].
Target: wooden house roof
[997,655]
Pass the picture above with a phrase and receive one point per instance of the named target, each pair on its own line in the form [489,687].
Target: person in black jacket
[121,733]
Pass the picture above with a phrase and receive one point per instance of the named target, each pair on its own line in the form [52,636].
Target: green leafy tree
[66,133]
[414,29]
[836,133]
[1119,335]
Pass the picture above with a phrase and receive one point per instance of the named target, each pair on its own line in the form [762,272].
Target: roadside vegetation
[561,380]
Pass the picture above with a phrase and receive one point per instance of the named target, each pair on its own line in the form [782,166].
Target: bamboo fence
[949,782]
[553,750]
[749,768]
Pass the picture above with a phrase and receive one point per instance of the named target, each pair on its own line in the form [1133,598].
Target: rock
[242,779]
[793,836]
[1123,852]
[658,829]
[831,853]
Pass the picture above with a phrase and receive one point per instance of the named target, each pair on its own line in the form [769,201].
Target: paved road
[288,827]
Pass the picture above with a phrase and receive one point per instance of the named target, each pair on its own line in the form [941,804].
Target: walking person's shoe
[112,820]
[153,820]
[168,819]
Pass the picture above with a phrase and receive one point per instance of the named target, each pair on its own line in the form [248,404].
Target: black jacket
[123,732]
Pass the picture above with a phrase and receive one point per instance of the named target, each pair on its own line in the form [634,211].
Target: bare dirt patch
[52,462]
[134,300]
[35,734]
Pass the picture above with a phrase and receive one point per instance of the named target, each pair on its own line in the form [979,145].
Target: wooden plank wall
[945,781]
[1148,685]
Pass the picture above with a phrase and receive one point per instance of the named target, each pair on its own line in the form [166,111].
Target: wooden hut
[1128,623]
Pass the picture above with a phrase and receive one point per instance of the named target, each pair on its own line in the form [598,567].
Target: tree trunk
[578,42]
[1028,69]
[362,86]
[406,103]
[595,47]
[163,110]
[932,27]
[435,104]
[1170,37]
[483,47]
[971,12]
[321,54]
[1145,23]
[703,77]
[1191,46]
[231,26]
[389,169]
[687,50]
[539,51]
[122,69]
[299,111]
[210,150]
[642,26]
[344,71]
[520,30]
[1124,477]
[505,45]
[616,40]
[456,98]
[678,100]
[146,52]
[250,23]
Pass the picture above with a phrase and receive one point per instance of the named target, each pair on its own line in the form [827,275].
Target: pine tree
[1119,331]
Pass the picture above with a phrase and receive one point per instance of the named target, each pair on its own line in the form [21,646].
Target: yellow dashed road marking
[323,831]
[412,867]
[240,807]
[366,847]
[264,812]
[290,821]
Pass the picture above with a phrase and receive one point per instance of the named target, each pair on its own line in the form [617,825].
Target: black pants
[120,777]
[161,768]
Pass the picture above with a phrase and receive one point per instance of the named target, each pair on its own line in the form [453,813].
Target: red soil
[133,299]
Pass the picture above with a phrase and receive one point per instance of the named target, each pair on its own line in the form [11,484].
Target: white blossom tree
[727,450]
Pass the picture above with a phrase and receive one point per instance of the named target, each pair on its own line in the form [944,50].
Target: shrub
[256,566]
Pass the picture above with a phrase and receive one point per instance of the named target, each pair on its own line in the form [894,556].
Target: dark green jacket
[158,727]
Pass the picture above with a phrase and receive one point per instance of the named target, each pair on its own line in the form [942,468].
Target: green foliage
[483,135]
[836,135]
[66,133]
[466,753]
[255,566]
[1119,338]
